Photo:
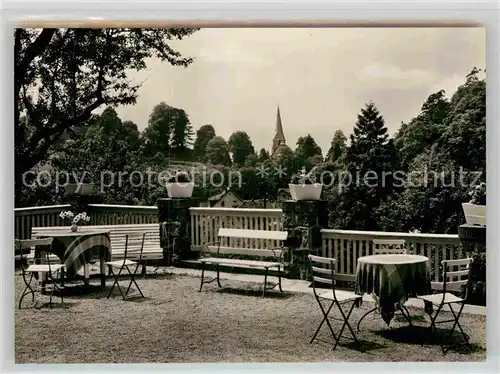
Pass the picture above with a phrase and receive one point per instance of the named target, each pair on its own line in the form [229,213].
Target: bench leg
[218,276]
[279,279]
[265,284]
[202,275]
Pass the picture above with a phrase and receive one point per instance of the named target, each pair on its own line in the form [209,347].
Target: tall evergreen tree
[370,159]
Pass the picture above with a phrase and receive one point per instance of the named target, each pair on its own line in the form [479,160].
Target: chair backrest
[134,245]
[31,244]
[389,247]
[323,273]
[456,276]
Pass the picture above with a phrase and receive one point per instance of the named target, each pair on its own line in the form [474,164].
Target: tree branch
[35,49]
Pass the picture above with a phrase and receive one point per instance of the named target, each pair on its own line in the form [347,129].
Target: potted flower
[180,185]
[75,219]
[303,187]
[475,209]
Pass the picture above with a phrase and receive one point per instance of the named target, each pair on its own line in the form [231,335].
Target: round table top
[392,259]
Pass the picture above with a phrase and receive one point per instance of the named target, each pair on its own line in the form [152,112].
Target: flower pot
[74,227]
[79,189]
[180,189]
[474,214]
[306,191]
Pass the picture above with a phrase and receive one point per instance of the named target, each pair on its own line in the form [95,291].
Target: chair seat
[42,268]
[438,298]
[120,263]
[342,296]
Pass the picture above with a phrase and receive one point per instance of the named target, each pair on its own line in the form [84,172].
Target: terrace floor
[176,323]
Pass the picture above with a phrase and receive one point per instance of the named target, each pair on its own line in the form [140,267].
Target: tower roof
[279,127]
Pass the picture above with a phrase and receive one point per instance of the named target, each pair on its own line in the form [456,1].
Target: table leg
[86,273]
[62,278]
[102,260]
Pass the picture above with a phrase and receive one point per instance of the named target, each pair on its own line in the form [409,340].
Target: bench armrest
[206,245]
[280,256]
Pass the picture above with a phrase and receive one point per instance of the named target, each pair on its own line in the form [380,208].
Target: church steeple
[279,136]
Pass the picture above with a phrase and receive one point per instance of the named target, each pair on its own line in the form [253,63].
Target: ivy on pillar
[304,221]
[175,228]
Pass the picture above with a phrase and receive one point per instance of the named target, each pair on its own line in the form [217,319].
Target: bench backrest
[252,234]
[117,234]
[242,242]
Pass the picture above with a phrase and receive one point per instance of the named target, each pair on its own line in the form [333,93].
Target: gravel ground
[176,323]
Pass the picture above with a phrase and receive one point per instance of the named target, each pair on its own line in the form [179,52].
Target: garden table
[391,279]
[77,249]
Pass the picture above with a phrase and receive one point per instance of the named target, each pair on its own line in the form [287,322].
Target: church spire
[279,136]
[279,127]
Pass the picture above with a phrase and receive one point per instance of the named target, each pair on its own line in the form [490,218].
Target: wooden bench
[271,257]
[117,233]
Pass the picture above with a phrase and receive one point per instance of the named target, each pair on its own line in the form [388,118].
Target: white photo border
[210,13]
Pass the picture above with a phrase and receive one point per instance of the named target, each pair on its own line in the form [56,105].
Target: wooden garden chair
[46,270]
[323,271]
[134,246]
[456,281]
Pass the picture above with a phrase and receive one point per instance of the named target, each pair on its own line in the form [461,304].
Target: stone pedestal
[473,237]
[80,203]
[175,228]
[304,221]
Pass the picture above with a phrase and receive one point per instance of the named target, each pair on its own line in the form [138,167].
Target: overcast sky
[321,77]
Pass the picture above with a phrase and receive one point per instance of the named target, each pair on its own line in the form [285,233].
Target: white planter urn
[474,214]
[180,189]
[305,191]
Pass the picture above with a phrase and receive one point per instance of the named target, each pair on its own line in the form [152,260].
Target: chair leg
[115,276]
[132,280]
[325,318]
[432,326]
[456,323]
[27,290]
[346,323]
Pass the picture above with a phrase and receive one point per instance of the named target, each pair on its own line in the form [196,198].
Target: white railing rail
[106,214]
[205,223]
[348,245]
[100,214]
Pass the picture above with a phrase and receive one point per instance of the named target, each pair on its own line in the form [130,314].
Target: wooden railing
[205,223]
[100,214]
[347,246]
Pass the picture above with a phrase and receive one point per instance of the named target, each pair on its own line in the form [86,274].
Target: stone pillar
[304,221]
[473,239]
[175,228]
